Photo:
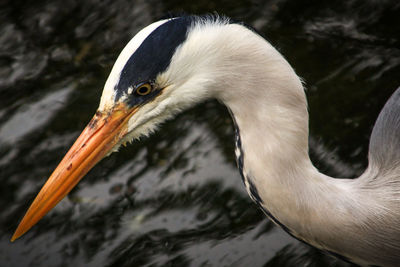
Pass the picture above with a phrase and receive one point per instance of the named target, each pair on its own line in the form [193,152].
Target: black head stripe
[154,54]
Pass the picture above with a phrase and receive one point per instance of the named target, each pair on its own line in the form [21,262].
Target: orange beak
[102,133]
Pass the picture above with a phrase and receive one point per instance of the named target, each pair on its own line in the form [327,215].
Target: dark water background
[176,198]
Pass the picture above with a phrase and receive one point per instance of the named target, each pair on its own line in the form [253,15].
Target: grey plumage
[384,146]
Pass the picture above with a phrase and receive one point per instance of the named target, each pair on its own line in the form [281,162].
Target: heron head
[160,72]
[150,80]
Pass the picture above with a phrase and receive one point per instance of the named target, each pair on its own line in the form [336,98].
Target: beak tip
[18,233]
[14,237]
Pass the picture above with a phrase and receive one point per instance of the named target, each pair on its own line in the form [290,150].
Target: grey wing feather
[384,145]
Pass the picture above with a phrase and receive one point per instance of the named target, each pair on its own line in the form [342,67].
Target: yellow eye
[143,89]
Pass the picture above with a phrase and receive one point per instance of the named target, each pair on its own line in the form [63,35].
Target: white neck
[272,119]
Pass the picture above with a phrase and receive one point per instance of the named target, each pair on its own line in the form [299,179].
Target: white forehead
[108,91]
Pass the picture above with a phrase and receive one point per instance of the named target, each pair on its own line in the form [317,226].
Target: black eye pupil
[143,90]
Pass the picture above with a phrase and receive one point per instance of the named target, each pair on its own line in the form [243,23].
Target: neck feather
[272,127]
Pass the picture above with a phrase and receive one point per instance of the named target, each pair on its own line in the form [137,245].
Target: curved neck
[272,127]
[268,103]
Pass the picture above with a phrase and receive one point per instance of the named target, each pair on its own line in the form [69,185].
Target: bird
[177,62]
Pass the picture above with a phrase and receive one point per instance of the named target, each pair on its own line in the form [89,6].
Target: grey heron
[175,63]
